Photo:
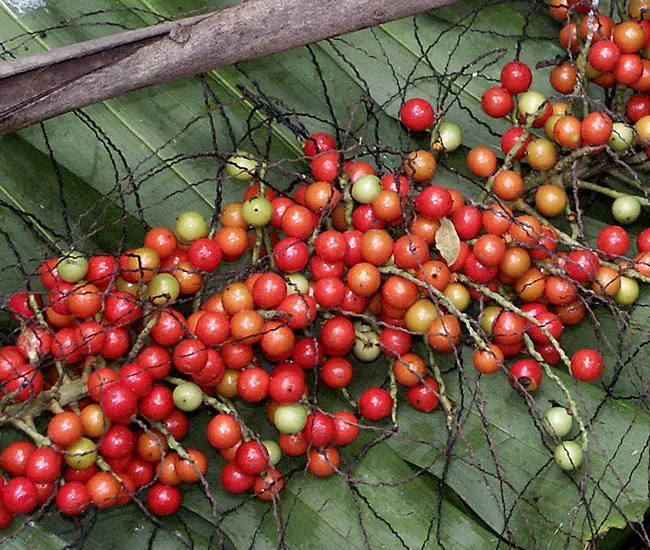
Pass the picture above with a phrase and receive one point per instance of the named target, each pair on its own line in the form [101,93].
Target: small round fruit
[273,451]
[628,293]
[558,421]
[626,209]
[586,365]
[550,200]
[241,166]
[375,404]
[568,455]
[188,396]
[450,136]
[366,188]
[290,419]
[417,114]
[81,455]
[72,267]
[191,226]
[257,211]
[163,500]
[622,137]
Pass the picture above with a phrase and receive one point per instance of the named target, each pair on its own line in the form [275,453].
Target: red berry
[516,77]
[586,365]
[375,404]
[417,114]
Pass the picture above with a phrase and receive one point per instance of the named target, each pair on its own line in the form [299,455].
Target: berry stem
[549,372]
[26,425]
[582,184]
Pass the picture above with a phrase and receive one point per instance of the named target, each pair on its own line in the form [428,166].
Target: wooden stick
[42,86]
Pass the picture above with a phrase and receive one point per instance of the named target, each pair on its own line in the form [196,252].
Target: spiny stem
[393,393]
[142,338]
[172,441]
[550,374]
[442,389]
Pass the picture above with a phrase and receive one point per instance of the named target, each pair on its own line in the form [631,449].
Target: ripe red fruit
[586,365]
[252,458]
[320,142]
[497,102]
[73,498]
[417,114]
[375,404]
[434,202]
[43,465]
[204,254]
[582,265]
[14,458]
[234,480]
[528,373]
[157,404]
[551,322]
[118,402]
[603,55]
[19,495]
[291,255]
[163,500]
[190,356]
[346,428]
[511,137]
[516,77]
[614,241]
[319,429]
[424,396]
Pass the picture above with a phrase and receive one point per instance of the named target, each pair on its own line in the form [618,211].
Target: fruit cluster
[120,351]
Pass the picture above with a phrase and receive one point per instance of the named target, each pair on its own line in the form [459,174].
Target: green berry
[628,293]
[450,136]
[558,421]
[81,454]
[569,455]
[191,226]
[274,451]
[257,212]
[188,396]
[297,283]
[626,209]
[72,267]
[622,137]
[290,419]
[163,289]
[365,188]
[241,166]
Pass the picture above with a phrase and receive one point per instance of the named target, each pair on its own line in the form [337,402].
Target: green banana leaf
[97,178]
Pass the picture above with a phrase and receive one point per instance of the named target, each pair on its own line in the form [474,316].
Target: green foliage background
[492,481]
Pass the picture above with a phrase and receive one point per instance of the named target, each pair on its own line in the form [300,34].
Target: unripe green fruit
[191,226]
[366,188]
[188,396]
[626,209]
[628,293]
[81,454]
[367,350]
[450,137]
[290,419]
[72,267]
[297,283]
[163,289]
[273,450]
[530,104]
[622,137]
[569,455]
[241,166]
[558,422]
[490,313]
[257,212]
